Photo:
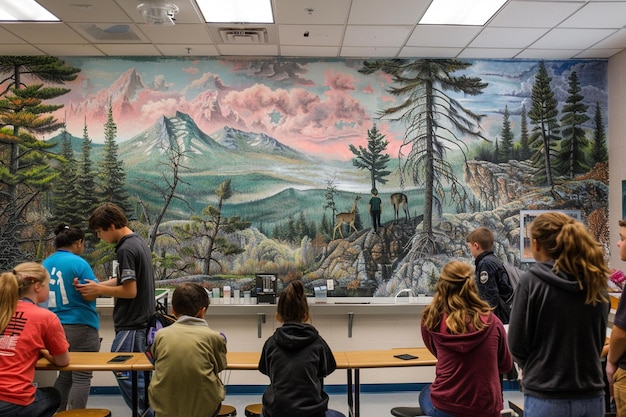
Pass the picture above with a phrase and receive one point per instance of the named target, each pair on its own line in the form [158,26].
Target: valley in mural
[282,134]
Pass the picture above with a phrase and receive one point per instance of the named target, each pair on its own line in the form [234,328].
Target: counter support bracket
[350,321]
[260,321]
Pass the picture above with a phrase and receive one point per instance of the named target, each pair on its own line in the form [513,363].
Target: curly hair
[456,297]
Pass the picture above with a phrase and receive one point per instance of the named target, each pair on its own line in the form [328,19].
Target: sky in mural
[317,107]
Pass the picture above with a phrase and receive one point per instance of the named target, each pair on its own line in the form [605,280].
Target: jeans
[46,403]
[427,406]
[375,220]
[132,341]
[74,386]
[550,407]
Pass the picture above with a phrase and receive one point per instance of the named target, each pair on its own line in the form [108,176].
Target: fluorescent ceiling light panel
[236,11]
[461,12]
[24,10]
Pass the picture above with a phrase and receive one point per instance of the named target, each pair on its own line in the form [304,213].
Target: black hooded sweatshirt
[296,359]
[555,337]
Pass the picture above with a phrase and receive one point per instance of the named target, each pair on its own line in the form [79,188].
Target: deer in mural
[346,217]
[400,200]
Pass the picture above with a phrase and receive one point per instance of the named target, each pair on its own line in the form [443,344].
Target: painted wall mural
[287,134]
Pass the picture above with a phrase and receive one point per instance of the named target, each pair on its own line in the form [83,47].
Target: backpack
[159,319]
[514,274]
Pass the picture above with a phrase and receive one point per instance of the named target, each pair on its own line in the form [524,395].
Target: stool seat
[407,411]
[227,411]
[84,412]
[254,410]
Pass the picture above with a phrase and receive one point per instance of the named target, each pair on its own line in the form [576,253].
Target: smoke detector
[158,13]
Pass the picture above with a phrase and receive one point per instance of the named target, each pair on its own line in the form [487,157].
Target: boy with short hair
[491,277]
[188,358]
[132,287]
[375,209]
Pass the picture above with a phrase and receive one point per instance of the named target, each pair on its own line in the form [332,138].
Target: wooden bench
[518,408]
[84,412]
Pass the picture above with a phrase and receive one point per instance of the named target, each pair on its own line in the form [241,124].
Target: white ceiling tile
[367,52]
[571,38]
[248,50]
[316,35]
[184,50]
[45,32]
[489,53]
[15,49]
[598,53]
[388,12]
[615,41]
[87,10]
[598,15]
[548,53]
[308,51]
[129,50]
[75,50]
[427,52]
[376,35]
[534,14]
[507,38]
[183,33]
[443,36]
[324,12]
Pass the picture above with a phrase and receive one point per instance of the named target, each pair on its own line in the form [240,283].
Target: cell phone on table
[405,356]
[120,359]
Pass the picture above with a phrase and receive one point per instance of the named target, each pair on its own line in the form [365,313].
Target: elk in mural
[346,217]
[400,200]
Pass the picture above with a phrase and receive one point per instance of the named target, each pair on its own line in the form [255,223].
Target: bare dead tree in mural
[171,179]
[207,233]
[433,119]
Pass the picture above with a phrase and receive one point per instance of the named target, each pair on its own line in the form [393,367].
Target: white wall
[617,149]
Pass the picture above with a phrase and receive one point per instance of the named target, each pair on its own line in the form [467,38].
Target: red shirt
[31,329]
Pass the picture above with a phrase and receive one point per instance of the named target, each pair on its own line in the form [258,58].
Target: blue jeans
[132,341]
[46,403]
[548,407]
[75,386]
[427,406]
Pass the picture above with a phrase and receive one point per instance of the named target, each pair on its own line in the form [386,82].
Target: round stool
[406,411]
[84,412]
[254,410]
[227,411]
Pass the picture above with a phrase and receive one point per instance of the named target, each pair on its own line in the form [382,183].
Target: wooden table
[359,359]
[99,361]
[352,361]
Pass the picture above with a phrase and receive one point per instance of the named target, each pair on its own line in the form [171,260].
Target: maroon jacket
[467,380]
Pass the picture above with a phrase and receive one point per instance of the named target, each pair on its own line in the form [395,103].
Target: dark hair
[106,215]
[66,235]
[292,304]
[482,236]
[622,223]
[189,298]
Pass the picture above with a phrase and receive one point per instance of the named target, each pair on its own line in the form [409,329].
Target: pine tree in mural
[112,176]
[372,158]
[543,115]
[66,206]
[433,119]
[572,157]
[86,181]
[599,151]
[524,148]
[206,235]
[505,153]
[25,171]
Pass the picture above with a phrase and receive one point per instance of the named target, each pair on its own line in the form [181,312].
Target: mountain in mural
[240,141]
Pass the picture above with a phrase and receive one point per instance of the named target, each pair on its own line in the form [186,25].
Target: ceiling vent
[244,35]
[158,13]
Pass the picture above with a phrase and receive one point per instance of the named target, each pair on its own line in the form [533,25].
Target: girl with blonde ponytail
[27,332]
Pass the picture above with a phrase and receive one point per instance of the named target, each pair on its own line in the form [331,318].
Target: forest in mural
[233,167]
